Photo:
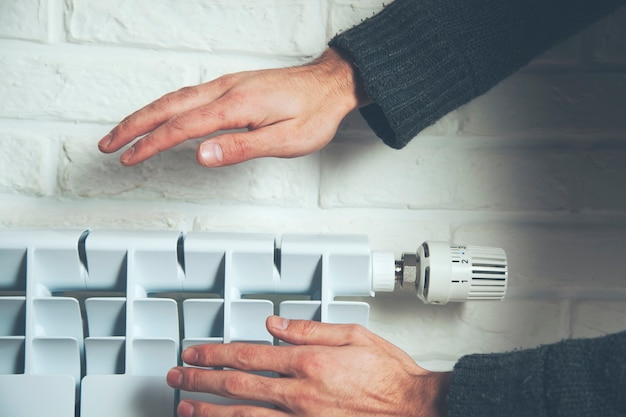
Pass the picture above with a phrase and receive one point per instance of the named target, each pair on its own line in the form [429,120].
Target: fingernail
[190,356]
[278,323]
[104,142]
[127,155]
[211,154]
[174,378]
[185,409]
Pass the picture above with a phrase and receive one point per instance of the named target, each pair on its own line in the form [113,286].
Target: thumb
[307,332]
[239,146]
[279,140]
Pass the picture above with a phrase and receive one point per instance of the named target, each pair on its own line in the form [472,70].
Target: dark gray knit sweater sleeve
[582,377]
[420,59]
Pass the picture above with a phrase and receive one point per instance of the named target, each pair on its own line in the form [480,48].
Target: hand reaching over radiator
[288,112]
[331,370]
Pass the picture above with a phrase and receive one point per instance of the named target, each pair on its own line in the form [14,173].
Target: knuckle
[236,96]
[163,103]
[308,328]
[292,399]
[236,149]
[177,123]
[193,380]
[244,355]
[186,93]
[310,364]
[226,81]
[173,99]
[234,385]
[208,113]
[356,333]
[125,125]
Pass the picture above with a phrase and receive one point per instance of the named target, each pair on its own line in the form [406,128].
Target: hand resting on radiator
[287,112]
[332,370]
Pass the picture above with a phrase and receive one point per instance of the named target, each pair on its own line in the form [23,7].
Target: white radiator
[91,321]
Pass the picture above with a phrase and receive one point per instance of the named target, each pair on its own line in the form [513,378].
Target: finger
[232,384]
[307,332]
[195,123]
[190,408]
[242,356]
[159,111]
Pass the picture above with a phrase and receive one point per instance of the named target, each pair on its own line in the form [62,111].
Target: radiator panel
[91,321]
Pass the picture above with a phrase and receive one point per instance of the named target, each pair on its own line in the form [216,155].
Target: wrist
[440,397]
[430,396]
[346,82]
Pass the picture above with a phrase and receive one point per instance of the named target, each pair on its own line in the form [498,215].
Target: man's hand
[331,370]
[287,112]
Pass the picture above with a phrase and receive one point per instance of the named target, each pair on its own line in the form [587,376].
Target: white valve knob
[459,273]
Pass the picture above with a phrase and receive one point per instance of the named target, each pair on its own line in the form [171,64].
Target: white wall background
[537,166]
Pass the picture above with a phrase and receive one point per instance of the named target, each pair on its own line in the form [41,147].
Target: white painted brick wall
[537,166]
[281,27]
[27,20]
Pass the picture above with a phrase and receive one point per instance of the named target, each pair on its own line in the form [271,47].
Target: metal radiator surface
[91,321]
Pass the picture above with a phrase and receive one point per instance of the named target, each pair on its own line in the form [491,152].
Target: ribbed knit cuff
[421,59]
[413,76]
[574,378]
[499,385]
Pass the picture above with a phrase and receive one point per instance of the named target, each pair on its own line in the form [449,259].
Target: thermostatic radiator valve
[440,273]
